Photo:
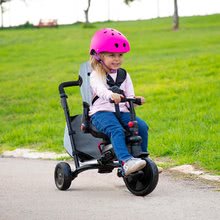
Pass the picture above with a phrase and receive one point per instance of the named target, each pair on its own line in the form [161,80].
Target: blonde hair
[98,67]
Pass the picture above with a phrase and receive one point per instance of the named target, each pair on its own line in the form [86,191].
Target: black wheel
[144,181]
[63,176]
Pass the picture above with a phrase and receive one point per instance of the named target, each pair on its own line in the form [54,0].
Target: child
[106,50]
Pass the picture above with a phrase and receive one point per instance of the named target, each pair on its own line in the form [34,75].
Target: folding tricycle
[85,144]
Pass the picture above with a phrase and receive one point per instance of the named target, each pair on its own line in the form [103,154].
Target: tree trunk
[87,12]
[2,11]
[175,17]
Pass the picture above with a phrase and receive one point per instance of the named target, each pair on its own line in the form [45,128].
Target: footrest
[106,169]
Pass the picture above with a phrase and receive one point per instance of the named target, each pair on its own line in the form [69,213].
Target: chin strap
[97,57]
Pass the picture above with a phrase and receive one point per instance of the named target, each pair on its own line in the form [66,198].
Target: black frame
[103,168]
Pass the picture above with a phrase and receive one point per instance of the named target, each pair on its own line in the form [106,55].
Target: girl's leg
[143,132]
[107,123]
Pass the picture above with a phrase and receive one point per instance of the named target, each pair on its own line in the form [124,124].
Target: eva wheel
[144,181]
[62,176]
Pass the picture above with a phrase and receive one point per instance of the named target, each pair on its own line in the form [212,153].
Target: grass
[177,72]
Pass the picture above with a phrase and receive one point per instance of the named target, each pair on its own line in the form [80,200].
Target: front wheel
[62,176]
[144,181]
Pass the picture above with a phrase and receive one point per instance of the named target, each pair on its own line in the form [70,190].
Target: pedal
[120,172]
[106,158]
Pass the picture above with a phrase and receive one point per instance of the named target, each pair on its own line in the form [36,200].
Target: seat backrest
[84,72]
[86,144]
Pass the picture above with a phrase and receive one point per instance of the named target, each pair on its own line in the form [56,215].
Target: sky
[71,11]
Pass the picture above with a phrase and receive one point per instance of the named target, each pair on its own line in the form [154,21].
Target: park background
[18,12]
[177,71]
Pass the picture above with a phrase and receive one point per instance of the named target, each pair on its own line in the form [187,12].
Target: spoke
[139,185]
[59,177]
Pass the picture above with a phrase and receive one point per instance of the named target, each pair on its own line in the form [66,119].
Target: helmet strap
[97,57]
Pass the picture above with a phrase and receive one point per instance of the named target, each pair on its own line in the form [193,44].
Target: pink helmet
[109,40]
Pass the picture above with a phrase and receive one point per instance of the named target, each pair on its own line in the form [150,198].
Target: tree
[2,2]
[175,17]
[87,12]
[128,1]
[3,10]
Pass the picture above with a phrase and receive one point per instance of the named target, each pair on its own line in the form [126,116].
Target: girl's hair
[98,67]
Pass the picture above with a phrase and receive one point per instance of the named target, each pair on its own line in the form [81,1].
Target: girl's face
[113,60]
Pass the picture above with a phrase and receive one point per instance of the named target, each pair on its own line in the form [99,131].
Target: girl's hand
[116,97]
[141,98]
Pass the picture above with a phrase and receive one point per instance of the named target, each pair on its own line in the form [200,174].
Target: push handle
[68,84]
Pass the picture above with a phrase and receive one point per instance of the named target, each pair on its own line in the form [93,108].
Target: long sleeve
[98,87]
[129,89]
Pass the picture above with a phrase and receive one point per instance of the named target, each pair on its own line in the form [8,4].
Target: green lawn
[177,72]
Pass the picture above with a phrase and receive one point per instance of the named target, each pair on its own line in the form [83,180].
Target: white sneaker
[132,165]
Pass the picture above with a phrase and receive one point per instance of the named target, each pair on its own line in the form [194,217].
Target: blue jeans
[107,123]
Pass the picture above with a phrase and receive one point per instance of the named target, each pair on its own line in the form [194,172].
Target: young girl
[107,49]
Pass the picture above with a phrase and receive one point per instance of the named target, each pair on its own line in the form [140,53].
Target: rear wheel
[62,176]
[144,181]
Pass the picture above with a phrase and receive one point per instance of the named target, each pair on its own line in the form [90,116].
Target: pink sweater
[100,88]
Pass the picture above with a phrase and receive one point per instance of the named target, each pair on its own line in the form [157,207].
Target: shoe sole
[136,167]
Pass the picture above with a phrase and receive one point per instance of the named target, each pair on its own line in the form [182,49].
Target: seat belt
[121,76]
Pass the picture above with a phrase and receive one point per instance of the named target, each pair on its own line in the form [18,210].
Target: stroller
[85,144]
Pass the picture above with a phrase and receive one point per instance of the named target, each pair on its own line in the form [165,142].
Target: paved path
[27,191]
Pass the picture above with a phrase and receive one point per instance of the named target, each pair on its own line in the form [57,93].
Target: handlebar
[130,100]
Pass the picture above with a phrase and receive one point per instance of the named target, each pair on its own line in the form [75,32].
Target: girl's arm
[129,89]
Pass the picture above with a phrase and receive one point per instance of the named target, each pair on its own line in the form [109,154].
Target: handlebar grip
[137,101]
